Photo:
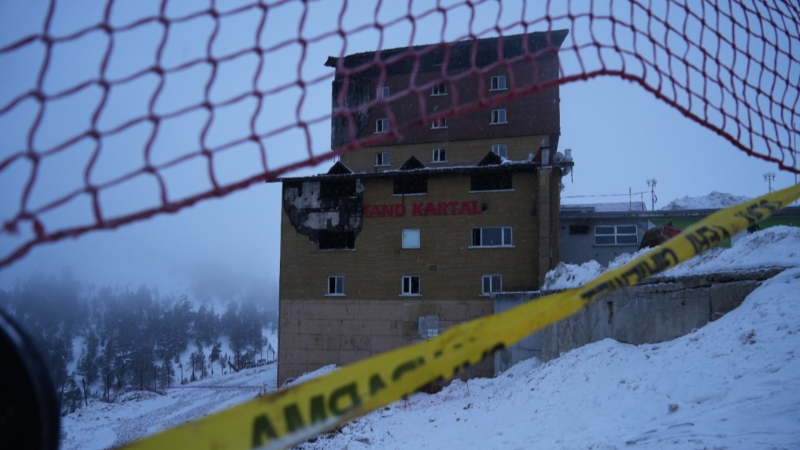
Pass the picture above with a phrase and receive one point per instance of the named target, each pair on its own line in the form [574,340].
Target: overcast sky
[619,133]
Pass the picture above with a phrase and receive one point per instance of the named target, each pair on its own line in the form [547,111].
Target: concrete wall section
[529,347]
[315,333]
[658,311]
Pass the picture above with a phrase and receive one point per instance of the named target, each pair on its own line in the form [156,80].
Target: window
[410,184]
[382,126]
[383,92]
[498,116]
[491,237]
[490,181]
[336,285]
[337,188]
[579,229]
[499,83]
[411,238]
[382,159]
[500,150]
[439,155]
[439,89]
[439,123]
[491,284]
[410,285]
[616,235]
[337,240]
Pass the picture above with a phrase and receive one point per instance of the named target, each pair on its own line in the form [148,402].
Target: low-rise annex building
[402,240]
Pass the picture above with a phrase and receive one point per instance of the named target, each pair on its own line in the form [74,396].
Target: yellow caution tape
[291,416]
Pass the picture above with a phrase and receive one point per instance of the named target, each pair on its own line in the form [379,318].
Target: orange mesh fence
[106,112]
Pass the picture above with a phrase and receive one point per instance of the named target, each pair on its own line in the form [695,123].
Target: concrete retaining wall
[656,311]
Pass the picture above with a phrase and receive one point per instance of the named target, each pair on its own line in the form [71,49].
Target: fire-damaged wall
[328,211]
[358,93]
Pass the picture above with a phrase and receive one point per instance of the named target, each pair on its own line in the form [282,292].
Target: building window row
[410,285]
[439,155]
[497,83]
[410,238]
[498,117]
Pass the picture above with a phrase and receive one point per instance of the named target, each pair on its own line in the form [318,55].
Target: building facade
[601,232]
[414,234]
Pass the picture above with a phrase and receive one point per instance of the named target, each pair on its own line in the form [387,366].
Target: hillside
[732,384]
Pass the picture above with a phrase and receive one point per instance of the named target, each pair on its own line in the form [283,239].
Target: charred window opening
[337,240]
[411,184]
[337,188]
[491,181]
[579,229]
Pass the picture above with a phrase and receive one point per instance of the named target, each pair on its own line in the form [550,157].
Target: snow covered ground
[734,384]
[139,413]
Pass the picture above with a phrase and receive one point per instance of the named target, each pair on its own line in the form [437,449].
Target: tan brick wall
[459,153]
[374,269]
[316,330]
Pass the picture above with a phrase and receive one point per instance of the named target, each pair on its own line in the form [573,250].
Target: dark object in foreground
[658,235]
[29,413]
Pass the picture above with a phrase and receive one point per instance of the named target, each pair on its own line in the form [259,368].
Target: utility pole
[652,184]
[769,177]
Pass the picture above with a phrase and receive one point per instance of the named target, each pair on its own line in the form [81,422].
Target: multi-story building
[417,230]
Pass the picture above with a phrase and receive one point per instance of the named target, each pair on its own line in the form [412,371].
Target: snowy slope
[734,384]
[139,413]
[714,200]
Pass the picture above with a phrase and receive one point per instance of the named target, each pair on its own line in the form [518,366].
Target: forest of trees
[131,337]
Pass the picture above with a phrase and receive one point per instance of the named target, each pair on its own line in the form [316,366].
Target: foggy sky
[620,136]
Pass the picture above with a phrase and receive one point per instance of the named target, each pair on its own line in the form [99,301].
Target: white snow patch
[714,200]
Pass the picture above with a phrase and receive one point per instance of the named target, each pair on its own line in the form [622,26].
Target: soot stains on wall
[328,211]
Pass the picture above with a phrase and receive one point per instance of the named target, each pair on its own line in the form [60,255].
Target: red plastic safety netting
[112,112]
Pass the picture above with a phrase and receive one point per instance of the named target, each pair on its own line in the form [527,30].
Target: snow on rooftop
[605,207]
[714,200]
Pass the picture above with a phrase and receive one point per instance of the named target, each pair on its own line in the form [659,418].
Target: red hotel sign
[422,209]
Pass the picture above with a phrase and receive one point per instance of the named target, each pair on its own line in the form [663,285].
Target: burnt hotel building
[402,239]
